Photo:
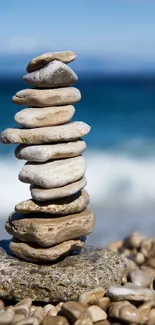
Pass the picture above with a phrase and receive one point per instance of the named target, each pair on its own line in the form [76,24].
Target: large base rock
[62,281]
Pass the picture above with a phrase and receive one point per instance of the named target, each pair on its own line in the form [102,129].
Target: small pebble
[23,307]
[139,258]
[58,307]
[72,311]
[103,303]
[115,246]
[53,311]
[151,262]
[39,314]
[47,309]
[33,308]
[96,313]
[86,297]
[134,240]
[17,318]
[124,311]
[1,303]
[130,292]
[147,247]
[55,320]
[145,310]
[151,320]
[29,321]
[6,317]
[140,278]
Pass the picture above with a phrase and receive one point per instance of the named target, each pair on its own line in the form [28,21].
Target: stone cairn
[56,220]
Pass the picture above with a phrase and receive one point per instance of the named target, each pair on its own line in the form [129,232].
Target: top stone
[41,60]
[55,74]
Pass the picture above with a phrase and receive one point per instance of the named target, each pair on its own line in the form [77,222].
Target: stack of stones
[55,221]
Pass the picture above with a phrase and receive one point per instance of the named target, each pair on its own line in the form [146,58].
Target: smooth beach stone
[55,320]
[86,297]
[130,292]
[43,59]
[71,204]
[47,116]
[151,317]
[147,247]
[103,303]
[47,97]
[96,314]
[55,74]
[84,320]
[29,321]
[41,194]
[39,314]
[125,312]
[23,307]
[53,311]
[72,310]
[17,318]
[48,231]
[55,173]
[140,278]
[48,308]
[50,134]
[37,254]
[6,317]
[134,240]
[61,281]
[43,153]
[145,310]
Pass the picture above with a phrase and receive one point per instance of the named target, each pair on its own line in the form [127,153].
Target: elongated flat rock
[42,194]
[47,97]
[71,204]
[55,173]
[47,116]
[48,231]
[61,281]
[131,292]
[42,60]
[37,254]
[53,75]
[51,134]
[43,153]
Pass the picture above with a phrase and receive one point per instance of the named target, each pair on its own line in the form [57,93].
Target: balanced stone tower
[55,221]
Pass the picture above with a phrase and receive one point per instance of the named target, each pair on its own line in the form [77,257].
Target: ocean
[120,154]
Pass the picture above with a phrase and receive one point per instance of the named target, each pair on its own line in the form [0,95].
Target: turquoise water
[120,152]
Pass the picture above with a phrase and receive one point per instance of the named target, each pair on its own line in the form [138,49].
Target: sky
[109,28]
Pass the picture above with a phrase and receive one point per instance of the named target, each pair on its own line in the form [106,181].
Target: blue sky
[113,28]
[124,27]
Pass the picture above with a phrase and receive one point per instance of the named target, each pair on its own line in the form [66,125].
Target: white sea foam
[113,180]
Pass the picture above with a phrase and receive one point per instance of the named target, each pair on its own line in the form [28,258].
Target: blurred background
[115,46]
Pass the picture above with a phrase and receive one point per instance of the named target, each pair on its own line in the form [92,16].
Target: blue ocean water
[120,152]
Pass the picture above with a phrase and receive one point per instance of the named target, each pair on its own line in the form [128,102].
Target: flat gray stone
[42,194]
[62,281]
[53,75]
[68,205]
[47,97]
[45,152]
[47,230]
[34,117]
[50,134]
[55,173]
[35,253]
[43,59]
